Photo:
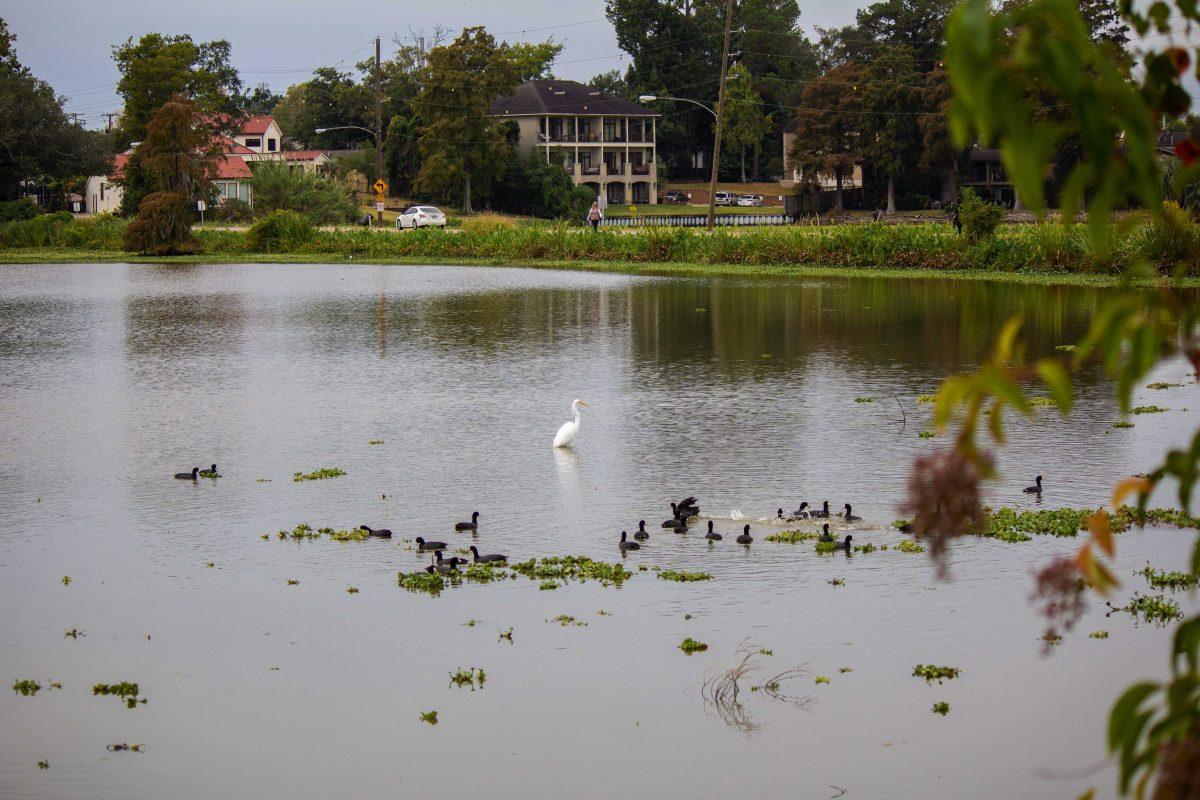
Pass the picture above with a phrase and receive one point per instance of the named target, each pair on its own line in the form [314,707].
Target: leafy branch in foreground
[1030,78]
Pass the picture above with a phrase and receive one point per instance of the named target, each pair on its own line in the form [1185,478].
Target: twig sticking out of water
[722,690]
[773,688]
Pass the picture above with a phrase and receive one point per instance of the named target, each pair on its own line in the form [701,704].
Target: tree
[828,137]
[260,101]
[891,92]
[612,83]
[532,60]
[324,201]
[179,155]
[37,140]
[459,141]
[745,122]
[158,67]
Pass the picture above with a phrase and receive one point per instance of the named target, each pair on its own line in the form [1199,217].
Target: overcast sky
[280,42]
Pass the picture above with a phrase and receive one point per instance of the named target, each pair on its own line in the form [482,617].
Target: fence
[699,220]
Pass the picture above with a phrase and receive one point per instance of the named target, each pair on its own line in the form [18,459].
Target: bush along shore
[1047,248]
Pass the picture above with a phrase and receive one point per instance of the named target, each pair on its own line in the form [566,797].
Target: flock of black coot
[681,512]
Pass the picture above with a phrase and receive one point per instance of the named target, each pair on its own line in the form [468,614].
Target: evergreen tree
[745,122]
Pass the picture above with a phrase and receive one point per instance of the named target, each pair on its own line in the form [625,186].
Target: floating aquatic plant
[822,679]
[925,435]
[26,687]
[351,590]
[547,586]
[1066,348]
[827,547]
[429,582]
[66,580]
[690,645]
[210,565]
[506,634]
[1042,402]
[1150,608]
[763,651]
[864,399]
[1123,424]
[687,616]
[565,620]
[125,690]
[942,708]
[301,531]
[604,613]
[926,398]
[43,764]
[933,673]
[124,747]
[680,576]
[318,475]
[74,633]
[1006,523]
[1051,639]
[1148,410]
[909,546]
[353,535]
[1161,385]
[1098,635]
[375,441]
[836,582]
[1173,581]
[471,623]
[864,548]
[472,677]
[792,537]
[845,669]
[293,582]
[430,717]
[566,568]
[486,572]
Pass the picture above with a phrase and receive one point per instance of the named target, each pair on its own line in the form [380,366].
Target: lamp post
[712,193]
[378,154]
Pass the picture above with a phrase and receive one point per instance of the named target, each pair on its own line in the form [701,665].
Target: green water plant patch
[566,620]
[1122,424]
[318,475]
[1173,581]
[1098,635]
[792,537]
[572,568]
[125,690]
[1160,385]
[942,708]
[909,546]
[690,645]
[680,576]
[1148,410]
[430,583]
[932,672]
[429,717]
[26,687]
[472,677]
[1150,608]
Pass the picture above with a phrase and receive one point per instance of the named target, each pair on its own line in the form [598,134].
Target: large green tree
[745,122]
[37,140]
[892,94]
[158,67]
[459,142]
[828,141]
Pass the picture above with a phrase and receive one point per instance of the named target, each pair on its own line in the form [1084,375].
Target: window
[254,144]
[270,145]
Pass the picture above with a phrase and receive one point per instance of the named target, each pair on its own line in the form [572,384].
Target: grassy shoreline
[1043,254]
[671,269]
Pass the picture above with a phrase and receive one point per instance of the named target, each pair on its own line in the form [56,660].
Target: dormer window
[270,145]
[254,144]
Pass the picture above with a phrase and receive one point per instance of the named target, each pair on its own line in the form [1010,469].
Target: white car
[421,217]
[724,199]
[750,200]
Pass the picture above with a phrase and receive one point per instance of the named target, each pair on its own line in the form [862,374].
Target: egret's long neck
[575,408]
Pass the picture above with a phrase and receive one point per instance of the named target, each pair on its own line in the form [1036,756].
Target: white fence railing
[698,220]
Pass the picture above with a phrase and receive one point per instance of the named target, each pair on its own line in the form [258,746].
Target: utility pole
[378,130]
[716,159]
[109,116]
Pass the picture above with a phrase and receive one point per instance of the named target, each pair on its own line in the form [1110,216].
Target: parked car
[421,217]
[725,199]
[750,200]
[676,198]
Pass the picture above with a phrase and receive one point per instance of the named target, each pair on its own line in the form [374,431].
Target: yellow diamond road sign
[379,186]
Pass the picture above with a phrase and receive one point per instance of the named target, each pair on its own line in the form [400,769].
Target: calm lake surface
[114,377]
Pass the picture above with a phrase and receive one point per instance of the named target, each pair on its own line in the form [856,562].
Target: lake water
[742,392]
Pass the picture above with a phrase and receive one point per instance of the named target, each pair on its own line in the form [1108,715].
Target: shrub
[12,210]
[486,223]
[162,227]
[280,232]
[278,187]
[231,209]
[979,217]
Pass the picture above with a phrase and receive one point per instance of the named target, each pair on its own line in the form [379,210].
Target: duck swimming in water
[424,545]
[843,545]
[469,526]
[625,544]
[382,533]
[745,537]
[711,535]
[641,532]
[825,536]
[209,473]
[488,558]
[188,476]
[801,512]
[1036,489]
[848,516]
[822,514]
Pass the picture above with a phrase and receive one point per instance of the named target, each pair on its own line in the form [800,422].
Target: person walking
[594,215]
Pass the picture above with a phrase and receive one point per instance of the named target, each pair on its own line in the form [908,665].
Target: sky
[69,42]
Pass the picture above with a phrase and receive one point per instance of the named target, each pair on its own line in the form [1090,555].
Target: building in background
[603,142]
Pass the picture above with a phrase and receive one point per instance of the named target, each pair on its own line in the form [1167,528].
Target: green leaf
[1186,643]
[1121,717]
[1058,383]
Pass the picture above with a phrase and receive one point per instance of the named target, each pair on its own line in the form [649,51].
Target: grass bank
[1046,253]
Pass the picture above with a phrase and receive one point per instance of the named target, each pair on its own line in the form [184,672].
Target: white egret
[566,434]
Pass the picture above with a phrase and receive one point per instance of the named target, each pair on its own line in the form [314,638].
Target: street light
[712,189]
[378,155]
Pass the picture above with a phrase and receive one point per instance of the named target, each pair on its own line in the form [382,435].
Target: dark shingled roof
[791,125]
[565,97]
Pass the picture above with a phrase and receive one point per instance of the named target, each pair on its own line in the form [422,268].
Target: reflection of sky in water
[741,392]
